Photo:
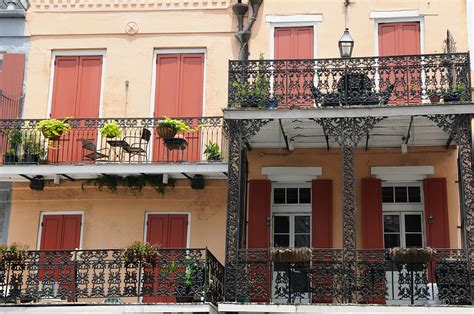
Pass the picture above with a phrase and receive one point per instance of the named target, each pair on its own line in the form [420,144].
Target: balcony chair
[139,146]
[91,153]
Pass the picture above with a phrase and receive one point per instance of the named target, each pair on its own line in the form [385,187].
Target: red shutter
[294,43]
[61,232]
[71,238]
[436,207]
[372,228]
[89,87]
[65,87]
[322,213]
[259,214]
[178,225]
[167,230]
[12,73]
[399,39]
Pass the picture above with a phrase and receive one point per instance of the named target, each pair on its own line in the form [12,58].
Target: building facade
[297,164]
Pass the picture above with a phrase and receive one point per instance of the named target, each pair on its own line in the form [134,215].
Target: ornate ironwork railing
[363,81]
[138,142]
[175,275]
[378,280]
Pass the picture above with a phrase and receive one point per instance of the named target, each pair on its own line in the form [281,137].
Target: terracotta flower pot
[435,99]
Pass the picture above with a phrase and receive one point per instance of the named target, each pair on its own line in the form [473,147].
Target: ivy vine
[133,183]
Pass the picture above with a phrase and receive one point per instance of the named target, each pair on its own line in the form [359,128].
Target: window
[291,230]
[402,215]
[292,195]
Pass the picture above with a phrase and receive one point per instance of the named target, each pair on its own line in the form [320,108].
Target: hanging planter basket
[166,132]
[411,255]
[291,255]
[176,143]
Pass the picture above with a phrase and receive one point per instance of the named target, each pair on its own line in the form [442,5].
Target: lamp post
[346,44]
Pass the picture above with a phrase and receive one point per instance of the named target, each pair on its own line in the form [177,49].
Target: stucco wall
[444,162]
[116,220]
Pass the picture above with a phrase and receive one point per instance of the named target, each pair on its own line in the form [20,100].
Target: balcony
[376,279]
[107,276]
[351,82]
[84,152]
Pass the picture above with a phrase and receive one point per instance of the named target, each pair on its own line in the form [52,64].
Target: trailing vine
[133,183]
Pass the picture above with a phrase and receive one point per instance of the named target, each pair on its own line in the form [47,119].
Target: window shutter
[322,213]
[436,208]
[372,228]
[259,214]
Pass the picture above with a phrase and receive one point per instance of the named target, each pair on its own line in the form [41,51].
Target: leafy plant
[134,183]
[10,152]
[13,253]
[213,151]
[15,138]
[32,145]
[52,128]
[412,255]
[177,124]
[111,130]
[140,252]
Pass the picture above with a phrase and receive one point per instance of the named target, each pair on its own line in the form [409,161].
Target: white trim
[188,227]
[292,174]
[72,212]
[353,112]
[61,53]
[402,232]
[394,14]
[402,173]
[293,21]
[419,19]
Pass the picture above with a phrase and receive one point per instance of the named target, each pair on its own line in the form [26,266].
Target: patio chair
[91,153]
[139,146]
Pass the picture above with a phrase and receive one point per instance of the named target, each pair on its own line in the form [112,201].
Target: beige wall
[116,220]
[100,24]
[444,162]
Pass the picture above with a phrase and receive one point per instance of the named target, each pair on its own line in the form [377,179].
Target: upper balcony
[138,147]
[350,82]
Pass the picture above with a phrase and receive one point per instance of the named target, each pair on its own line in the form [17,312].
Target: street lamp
[346,44]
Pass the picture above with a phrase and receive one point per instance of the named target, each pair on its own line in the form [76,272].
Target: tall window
[403,215]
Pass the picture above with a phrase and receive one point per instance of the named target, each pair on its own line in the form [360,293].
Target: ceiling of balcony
[390,132]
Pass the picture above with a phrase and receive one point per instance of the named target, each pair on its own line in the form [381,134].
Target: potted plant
[456,93]
[167,128]
[140,252]
[14,138]
[175,143]
[52,129]
[213,152]
[111,130]
[411,256]
[31,149]
[194,280]
[434,96]
[291,255]
[15,253]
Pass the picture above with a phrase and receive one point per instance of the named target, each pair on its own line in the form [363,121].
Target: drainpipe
[245,31]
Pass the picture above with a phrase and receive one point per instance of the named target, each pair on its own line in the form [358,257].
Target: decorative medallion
[131,28]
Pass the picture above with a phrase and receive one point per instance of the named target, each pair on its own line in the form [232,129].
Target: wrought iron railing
[139,142]
[366,81]
[377,280]
[175,275]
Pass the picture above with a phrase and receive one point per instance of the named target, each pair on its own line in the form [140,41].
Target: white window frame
[290,210]
[79,53]
[188,227]
[402,209]
[292,227]
[49,213]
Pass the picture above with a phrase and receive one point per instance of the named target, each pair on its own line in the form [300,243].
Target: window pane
[302,240]
[413,223]
[400,194]
[279,196]
[391,223]
[282,224]
[305,195]
[413,240]
[302,224]
[414,194]
[292,196]
[281,240]
[391,240]
[387,194]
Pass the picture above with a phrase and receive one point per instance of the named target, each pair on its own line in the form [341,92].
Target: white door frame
[49,213]
[188,227]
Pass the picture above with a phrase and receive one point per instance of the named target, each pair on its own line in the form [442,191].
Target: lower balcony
[319,276]
[107,276]
[135,146]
